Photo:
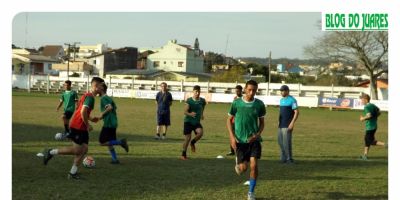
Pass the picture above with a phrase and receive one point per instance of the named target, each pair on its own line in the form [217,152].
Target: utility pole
[68,56]
[269,73]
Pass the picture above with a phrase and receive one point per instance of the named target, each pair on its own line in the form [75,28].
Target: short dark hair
[196,87]
[104,86]
[251,82]
[68,82]
[239,87]
[97,79]
[365,96]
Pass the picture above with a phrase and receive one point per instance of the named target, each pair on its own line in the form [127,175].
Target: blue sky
[250,34]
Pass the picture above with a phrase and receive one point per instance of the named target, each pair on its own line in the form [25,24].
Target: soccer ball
[58,136]
[89,162]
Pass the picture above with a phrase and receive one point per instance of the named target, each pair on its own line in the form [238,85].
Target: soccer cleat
[363,157]
[157,137]
[193,147]
[230,154]
[163,137]
[64,135]
[46,156]
[183,158]
[74,176]
[115,162]
[124,144]
[251,196]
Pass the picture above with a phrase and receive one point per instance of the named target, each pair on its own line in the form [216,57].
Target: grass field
[326,146]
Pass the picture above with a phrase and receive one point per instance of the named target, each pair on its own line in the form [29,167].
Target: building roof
[34,58]
[113,50]
[134,72]
[381,83]
[52,50]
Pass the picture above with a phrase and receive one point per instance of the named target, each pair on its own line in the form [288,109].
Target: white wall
[171,54]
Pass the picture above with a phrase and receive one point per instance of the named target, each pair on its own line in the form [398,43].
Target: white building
[89,50]
[177,58]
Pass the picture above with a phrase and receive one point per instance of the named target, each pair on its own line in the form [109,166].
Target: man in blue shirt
[288,113]
[164,101]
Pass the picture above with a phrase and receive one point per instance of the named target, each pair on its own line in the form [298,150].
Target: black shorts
[68,114]
[163,119]
[245,150]
[188,128]
[107,134]
[79,136]
[370,138]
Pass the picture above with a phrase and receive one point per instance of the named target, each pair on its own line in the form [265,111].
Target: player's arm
[85,117]
[296,115]
[170,99]
[107,110]
[230,130]
[366,117]
[59,105]
[260,130]
[186,111]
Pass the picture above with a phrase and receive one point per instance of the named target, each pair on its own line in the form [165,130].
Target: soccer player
[70,99]
[108,134]
[164,101]
[288,114]
[194,112]
[239,94]
[79,130]
[371,114]
[246,139]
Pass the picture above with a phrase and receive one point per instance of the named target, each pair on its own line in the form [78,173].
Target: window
[156,63]
[49,66]
[165,62]
[94,61]
[13,68]
[180,64]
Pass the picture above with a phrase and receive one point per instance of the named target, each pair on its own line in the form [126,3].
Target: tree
[367,48]
[236,73]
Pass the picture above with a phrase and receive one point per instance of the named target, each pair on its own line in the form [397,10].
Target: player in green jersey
[69,98]
[246,139]
[370,117]
[194,112]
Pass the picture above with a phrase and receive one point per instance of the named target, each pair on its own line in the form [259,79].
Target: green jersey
[110,118]
[246,116]
[69,98]
[196,106]
[373,110]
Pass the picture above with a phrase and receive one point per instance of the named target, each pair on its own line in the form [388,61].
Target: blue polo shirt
[163,102]
[287,105]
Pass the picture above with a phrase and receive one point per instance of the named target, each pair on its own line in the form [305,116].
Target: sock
[113,154]
[54,152]
[193,141]
[74,169]
[115,142]
[232,150]
[252,185]
[66,128]
[184,153]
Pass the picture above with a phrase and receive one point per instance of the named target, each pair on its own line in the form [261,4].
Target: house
[219,67]
[382,85]
[123,58]
[290,68]
[90,50]
[176,58]
[29,62]
[82,68]
[53,51]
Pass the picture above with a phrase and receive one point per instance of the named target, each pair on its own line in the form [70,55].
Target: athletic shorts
[163,119]
[78,136]
[68,114]
[370,137]
[107,134]
[245,150]
[188,128]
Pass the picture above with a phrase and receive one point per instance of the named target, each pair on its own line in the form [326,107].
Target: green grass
[326,146]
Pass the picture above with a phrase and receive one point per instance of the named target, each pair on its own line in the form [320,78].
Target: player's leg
[159,126]
[368,139]
[81,150]
[242,158]
[281,145]
[167,122]
[289,147]
[199,133]
[255,154]
[187,133]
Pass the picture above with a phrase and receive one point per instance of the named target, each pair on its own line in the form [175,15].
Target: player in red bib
[79,130]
